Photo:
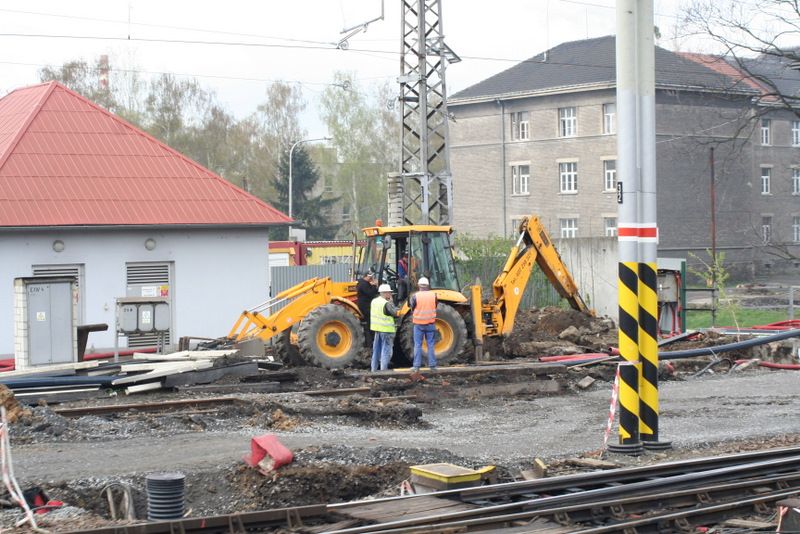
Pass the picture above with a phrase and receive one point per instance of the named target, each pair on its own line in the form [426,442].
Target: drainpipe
[503,161]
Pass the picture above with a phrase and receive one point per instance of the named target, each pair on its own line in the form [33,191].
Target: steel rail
[712,475]
[623,526]
[595,510]
[590,479]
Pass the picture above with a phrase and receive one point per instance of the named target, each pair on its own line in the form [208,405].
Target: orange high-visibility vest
[425,310]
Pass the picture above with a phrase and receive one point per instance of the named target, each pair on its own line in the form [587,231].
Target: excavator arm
[262,322]
[533,246]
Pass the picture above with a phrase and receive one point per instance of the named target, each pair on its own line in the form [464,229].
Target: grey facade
[567,166]
[214,273]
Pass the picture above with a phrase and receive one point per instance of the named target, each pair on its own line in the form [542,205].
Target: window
[609,118]
[766,176]
[515,222]
[795,133]
[569,227]
[609,175]
[568,174]
[568,122]
[520,176]
[796,181]
[765,131]
[766,229]
[796,229]
[328,182]
[519,126]
[610,224]
[345,213]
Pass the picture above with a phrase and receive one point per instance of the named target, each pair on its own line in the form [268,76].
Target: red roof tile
[64,161]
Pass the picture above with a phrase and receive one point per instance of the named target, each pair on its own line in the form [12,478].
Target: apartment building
[540,138]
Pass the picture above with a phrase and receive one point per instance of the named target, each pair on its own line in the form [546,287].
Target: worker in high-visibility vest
[382,314]
[423,306]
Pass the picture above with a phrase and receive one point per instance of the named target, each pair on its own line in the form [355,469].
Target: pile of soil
[552,331]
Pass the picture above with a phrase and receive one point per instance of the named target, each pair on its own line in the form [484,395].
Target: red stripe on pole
[628,231]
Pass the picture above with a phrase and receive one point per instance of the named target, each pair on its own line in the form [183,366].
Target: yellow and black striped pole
[627,200]
[647,233]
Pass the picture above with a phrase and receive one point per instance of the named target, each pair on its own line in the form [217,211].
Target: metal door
[50,335]
[74,270]
[149,279]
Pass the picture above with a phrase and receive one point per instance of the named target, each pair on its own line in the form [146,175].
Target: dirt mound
[13,409]
[552,330]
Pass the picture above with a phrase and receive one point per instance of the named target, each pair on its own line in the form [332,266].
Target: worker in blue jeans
[423,306]
[382,314]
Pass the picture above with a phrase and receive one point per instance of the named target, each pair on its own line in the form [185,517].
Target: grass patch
[746,318]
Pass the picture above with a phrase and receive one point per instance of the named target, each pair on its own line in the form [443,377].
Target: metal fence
[283,278]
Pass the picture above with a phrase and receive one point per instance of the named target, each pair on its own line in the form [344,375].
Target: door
[50,337]
[74,270]
[149,279]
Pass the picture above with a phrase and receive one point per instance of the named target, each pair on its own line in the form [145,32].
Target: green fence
[538,293]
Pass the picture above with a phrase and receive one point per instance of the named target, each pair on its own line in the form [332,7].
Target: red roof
[718,64]
[64,161]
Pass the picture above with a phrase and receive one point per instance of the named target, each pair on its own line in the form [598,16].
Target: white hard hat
[385,288]
[423,282]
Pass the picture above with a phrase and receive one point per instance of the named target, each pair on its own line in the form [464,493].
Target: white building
[84,193]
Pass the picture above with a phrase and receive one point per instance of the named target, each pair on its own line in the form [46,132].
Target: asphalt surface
[693,413]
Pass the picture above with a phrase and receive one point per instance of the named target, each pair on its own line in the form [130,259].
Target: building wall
[688,125]
[217,273]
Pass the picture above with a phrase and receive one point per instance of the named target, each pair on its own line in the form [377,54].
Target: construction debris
[267,454]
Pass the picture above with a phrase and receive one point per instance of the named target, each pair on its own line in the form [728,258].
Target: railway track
[669,497]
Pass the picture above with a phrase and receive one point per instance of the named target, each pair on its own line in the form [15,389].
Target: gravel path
[757,404]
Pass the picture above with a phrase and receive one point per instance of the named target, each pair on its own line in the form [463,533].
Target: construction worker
[423,305]
[366,290]
[382,314]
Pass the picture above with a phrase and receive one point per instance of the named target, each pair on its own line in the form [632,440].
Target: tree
[760,39]
[365,134]
[308,205]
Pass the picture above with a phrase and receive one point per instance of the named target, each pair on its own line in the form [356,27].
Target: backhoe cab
[400,256]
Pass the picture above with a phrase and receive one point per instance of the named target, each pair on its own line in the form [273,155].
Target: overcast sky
[300,34]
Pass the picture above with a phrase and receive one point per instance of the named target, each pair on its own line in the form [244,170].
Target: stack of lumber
[144,372]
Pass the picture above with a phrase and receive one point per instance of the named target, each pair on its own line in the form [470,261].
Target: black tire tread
[306,332]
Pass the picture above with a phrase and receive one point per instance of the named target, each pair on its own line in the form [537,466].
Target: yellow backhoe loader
[319,323]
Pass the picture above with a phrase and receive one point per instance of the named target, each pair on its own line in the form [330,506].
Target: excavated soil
[552,331]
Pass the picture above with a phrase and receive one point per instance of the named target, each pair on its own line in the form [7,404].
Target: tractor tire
[287,352]
[451,336]
[331,337]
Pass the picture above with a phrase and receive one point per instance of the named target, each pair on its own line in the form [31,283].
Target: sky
[292,40]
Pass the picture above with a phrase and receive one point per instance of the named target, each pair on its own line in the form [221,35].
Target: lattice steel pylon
[422,192]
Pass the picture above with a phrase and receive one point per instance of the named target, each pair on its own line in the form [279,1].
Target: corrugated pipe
[712,351]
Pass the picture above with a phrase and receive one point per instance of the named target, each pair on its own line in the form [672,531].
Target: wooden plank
[177,367]
[52,369]
[57,396]
[185,355]
[750,525]
[254,387]
[534,387]
[139,388]
[144,406]
[411,508]
[495,369]
[335,392]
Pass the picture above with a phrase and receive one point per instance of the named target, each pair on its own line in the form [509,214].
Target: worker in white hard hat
[382,315]
[423,306]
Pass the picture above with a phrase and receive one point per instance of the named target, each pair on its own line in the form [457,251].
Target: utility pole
[422,191]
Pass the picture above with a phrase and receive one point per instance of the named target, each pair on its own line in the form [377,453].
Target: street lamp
[291,152]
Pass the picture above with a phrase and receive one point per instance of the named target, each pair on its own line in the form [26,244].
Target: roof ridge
[32,115]
[140,132]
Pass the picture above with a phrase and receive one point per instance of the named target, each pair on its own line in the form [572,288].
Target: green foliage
[484,258]
[744,317]
[713,272]
[364,133]
[308,208]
